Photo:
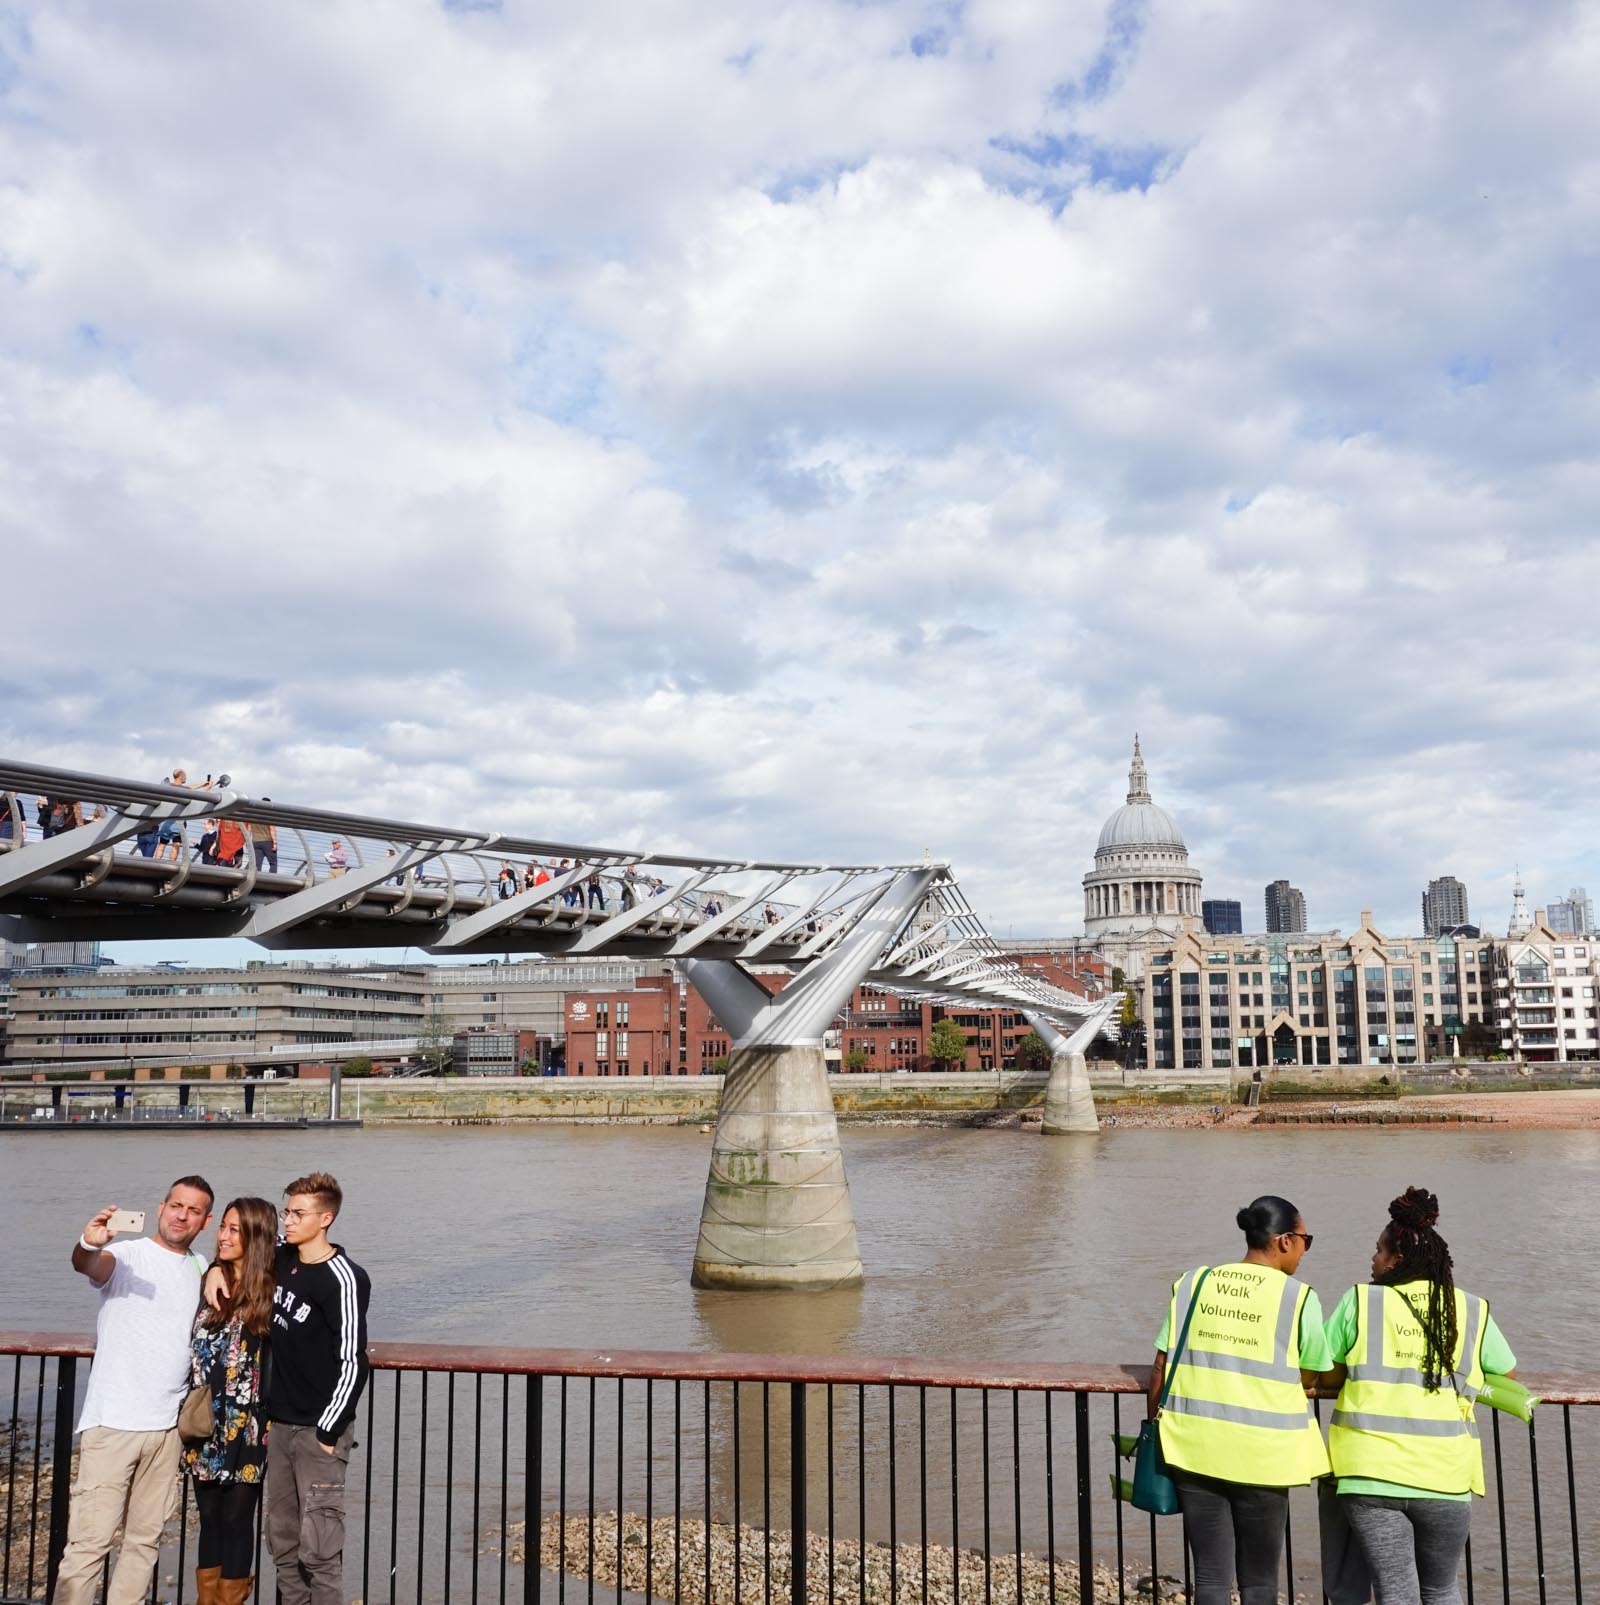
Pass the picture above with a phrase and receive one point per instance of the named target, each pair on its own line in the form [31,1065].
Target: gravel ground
[847,1564]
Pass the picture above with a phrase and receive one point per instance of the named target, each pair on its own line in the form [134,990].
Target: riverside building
[1544,990]
[1311,999]
[1142,887]
[122,1013]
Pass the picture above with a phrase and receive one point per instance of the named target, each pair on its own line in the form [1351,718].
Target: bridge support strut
[1068,1101]
[777,1209]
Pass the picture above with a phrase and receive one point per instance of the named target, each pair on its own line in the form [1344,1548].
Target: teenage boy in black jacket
[319,1367]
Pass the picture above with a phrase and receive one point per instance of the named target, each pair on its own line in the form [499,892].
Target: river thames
[978,1244]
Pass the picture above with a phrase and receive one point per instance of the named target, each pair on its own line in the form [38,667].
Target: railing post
[1080,1412]
[797,1493]
[533,1485]
[61,1467]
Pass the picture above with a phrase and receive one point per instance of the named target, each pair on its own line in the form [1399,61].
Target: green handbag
[1153,1490]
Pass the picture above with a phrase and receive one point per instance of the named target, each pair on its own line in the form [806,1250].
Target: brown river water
[979,1245]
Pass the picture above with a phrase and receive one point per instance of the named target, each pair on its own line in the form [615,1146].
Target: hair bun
[1247,1217]
[1415,1208]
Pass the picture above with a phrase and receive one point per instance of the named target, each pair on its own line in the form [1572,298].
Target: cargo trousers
[127,1480]
[305,1513]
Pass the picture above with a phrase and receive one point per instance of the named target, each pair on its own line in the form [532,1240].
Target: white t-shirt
[141,1357]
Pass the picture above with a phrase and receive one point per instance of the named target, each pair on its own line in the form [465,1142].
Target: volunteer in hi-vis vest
[1237,1430]
[1411,1350]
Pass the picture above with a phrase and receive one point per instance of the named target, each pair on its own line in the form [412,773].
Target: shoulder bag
[197,1415]
[1153,1489]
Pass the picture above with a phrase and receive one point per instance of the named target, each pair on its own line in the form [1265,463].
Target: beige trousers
[126,1479]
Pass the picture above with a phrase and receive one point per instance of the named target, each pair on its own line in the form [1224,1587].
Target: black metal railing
[701,1477]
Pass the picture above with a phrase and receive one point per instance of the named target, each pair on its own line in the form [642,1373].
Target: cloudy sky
[822,429]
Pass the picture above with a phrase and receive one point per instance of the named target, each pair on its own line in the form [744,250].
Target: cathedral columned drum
[1142,886]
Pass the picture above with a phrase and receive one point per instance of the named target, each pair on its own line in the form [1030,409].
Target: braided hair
[1423,1255]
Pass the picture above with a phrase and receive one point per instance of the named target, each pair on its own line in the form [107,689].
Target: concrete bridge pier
[1068,1101]
[777,1209]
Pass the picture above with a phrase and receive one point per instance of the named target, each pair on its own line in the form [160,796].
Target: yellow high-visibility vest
[1386,1424]
[1237,1409]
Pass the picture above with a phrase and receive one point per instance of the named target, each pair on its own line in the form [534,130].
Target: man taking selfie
[128,1453]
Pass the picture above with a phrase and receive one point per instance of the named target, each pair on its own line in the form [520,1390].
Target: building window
[600,1044]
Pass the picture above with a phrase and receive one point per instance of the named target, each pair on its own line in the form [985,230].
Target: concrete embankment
[464,1100]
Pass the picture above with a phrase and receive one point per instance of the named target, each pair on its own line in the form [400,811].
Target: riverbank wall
[662,1099]
[669,1100]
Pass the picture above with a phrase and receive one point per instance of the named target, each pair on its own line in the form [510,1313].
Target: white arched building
[1142,886]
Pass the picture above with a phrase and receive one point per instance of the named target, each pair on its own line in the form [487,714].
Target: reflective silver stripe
[1398,1426]
[1469,1346]
[1387,1373]
[1238,1414]
[1180,1306]
[1268,1370]
[1375,1323]
[1288,1306]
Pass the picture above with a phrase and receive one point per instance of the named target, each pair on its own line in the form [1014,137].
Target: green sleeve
[1340,1328]
[1164,1341]
[1313,1344]
[1498,1359]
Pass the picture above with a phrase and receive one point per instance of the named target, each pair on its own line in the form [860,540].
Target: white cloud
[824,431]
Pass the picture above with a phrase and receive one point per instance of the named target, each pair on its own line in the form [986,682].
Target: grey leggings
[1233,1528]
[1413,1546]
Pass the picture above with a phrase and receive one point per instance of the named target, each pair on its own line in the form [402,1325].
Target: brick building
[662,1026]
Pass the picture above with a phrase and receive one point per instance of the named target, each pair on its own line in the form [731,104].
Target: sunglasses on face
[1305,1237]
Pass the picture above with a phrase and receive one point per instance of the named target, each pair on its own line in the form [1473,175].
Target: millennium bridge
[777,1208]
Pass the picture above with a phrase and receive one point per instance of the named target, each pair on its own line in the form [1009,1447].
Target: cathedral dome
[1142,886]
[1139,824]
[1136,825]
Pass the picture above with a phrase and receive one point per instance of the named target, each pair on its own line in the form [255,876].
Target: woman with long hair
[1245,1343]
[1411,1352]
[232,1345]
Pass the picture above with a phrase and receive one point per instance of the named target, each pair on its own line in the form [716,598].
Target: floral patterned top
[231,1359]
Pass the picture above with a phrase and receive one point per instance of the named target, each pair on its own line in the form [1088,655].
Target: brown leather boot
[233,1590]
[206,1581]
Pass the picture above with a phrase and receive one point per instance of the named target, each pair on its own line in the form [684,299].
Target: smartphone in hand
[125,1220]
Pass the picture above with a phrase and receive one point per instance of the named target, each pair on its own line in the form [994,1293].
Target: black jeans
[1233,1528]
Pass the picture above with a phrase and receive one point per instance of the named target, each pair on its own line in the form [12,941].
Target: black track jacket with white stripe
[319,1342]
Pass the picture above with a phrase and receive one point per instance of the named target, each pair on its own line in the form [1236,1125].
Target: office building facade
[1572,915]
[126,1014]
[1314,1001]
[1222,916]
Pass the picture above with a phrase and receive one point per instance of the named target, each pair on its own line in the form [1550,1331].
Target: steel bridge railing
[699,1477]
[113,858]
